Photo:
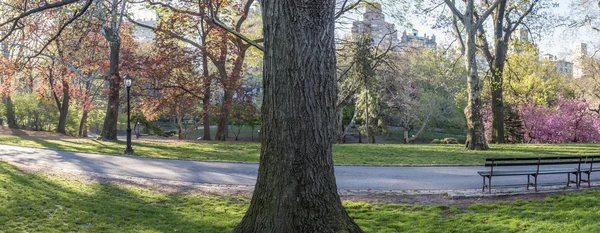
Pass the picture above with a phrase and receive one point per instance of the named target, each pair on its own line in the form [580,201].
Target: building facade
[578,57]
[562,66]
[413,40]
[373,24]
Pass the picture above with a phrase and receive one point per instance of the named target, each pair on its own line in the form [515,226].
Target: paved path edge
[245,162]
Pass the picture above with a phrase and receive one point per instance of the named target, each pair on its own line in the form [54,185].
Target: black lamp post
[128,150]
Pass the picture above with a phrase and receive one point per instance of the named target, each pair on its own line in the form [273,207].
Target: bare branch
[238,34]
[15,20]
[487,12]
[345,9]
[455,11]
[76,15]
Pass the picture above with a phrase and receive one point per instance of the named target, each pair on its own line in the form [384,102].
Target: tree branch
[455,11]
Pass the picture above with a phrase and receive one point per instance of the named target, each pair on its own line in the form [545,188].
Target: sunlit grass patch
[39,203]
[342,153]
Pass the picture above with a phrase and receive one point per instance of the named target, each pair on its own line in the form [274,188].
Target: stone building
[578,58]
[413,40]
[564,67]
[141,33]
[373,23]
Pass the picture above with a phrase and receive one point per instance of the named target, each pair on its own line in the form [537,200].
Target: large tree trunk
[109,128]
[296,189]
[501,46]
[64,109]
[498,135]
[83,124]
[475,134]
[223,124]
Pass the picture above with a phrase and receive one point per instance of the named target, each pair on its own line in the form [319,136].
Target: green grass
[226,151]
[39,203]
[343,153]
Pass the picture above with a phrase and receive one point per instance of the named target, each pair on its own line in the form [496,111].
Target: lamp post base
[128,151]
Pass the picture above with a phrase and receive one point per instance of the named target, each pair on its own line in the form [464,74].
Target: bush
[34,114]
[569,120]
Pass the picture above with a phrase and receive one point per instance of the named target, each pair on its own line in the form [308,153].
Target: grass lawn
[39,203]
[343,153]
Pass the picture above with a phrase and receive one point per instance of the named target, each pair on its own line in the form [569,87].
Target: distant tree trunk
[367,114]
[496,63]
[83,124]
[475,135]
[64,109]
[206,104]
[231,83]
[180,129]
[223,124]
[498,135]
[359,137]
[109,128]
[296,189]
[207,81]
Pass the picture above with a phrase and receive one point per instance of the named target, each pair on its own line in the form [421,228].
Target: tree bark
[64,109]
[109,128]
[223,124]
[83,124]
[296,189]
[206,102]
[231,84]
[475,135]
[497,67]
[207,80]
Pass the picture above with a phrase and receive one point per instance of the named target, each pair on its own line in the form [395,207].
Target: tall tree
[112,19]
[471,21]
[296,189]
[177,24]
[507,17]
[368,98]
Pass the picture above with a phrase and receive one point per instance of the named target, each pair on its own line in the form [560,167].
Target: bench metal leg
[490,184]
[568,179]
[528,181]
[535,182]
[589,180]
[483,187]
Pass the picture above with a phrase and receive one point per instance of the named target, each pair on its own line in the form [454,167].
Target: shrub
[569,120]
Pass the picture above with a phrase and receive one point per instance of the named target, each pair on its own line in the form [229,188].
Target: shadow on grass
[38,204]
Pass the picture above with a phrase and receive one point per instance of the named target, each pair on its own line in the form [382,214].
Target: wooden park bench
[539,166]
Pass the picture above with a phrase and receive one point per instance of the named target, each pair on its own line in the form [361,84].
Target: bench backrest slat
[542,158]
[534,161]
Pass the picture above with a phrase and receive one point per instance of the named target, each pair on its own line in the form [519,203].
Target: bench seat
[518,173]
[590,170]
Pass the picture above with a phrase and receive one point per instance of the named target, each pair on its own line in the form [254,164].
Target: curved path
[348,177]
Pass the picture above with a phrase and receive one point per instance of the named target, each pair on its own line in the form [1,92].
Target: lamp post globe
[128,82]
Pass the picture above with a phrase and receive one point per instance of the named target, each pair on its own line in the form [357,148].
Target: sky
[558,43]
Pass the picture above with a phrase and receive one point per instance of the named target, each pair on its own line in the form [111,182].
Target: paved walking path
[348,177]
